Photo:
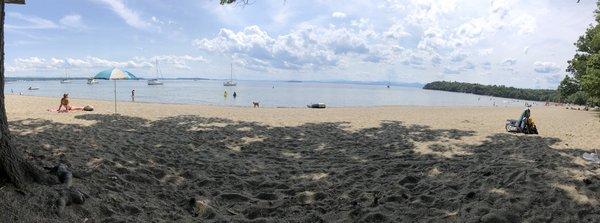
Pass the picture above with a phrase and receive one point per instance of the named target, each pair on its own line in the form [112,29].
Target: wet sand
[165,162]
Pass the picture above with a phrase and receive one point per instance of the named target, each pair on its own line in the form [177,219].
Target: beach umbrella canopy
[115,74]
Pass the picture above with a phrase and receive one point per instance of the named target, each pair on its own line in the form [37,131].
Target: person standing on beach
[133,95]
[225,94]
[234,95]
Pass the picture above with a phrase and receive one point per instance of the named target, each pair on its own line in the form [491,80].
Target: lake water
[268,93]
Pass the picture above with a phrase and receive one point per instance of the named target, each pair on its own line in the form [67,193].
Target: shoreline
[284,107]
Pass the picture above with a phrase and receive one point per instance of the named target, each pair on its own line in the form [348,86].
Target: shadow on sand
[141,170]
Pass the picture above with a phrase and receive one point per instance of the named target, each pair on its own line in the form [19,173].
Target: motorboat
[92,81]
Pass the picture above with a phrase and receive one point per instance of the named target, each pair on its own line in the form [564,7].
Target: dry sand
[186,163]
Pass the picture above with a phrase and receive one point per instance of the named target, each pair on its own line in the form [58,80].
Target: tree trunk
[13,166]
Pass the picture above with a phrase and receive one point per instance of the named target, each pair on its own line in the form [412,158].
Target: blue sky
[511,42]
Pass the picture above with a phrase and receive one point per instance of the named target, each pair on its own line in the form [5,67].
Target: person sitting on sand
[64,102]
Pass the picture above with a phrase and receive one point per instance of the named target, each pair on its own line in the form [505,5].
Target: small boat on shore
[317,105]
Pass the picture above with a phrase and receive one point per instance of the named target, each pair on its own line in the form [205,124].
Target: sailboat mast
[156,64]
[231,73]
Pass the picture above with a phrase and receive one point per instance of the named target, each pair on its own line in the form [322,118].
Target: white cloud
[54,64]
[396,31]
[339,15]
[486,65]
[307,47]
[468,66]
[29,22]
[509,62]
[486,51]
[526,24]
[448,70]
[130,16]
[458,56]
[546,67]
[72,21]
[178,62]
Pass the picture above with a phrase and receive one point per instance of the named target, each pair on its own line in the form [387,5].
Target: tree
[590,82]
[494,90]
[13,166]
[567,87]
[585,65]
[578,98]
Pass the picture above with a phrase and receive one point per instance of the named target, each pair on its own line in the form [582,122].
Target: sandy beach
[196,163]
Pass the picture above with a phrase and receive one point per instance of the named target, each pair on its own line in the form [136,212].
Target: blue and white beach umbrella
[115,74]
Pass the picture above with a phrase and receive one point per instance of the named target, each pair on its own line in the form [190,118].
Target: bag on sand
[88,108]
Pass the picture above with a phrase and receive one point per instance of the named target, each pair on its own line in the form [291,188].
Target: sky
[507,42]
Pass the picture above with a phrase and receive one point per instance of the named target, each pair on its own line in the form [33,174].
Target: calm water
[270,94]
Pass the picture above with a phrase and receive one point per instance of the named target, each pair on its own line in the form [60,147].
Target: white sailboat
[155,81]
[230,82]
[66,80]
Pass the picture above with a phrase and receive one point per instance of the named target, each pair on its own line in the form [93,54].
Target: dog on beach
[256,104]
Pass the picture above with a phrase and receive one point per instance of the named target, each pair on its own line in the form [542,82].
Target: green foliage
[578,98]
[591,101]
[223,2]
[590,82]
[495,90]
[567,87]
[577,66]
[585,65]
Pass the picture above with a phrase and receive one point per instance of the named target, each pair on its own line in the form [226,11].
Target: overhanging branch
[14,1]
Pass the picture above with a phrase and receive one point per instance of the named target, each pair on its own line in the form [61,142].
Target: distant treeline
[495,90]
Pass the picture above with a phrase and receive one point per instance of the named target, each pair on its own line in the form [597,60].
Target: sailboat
[66,80]
[389,81]
[155,81]
[230,82]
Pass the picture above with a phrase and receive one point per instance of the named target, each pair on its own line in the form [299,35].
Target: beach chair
[524,124]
